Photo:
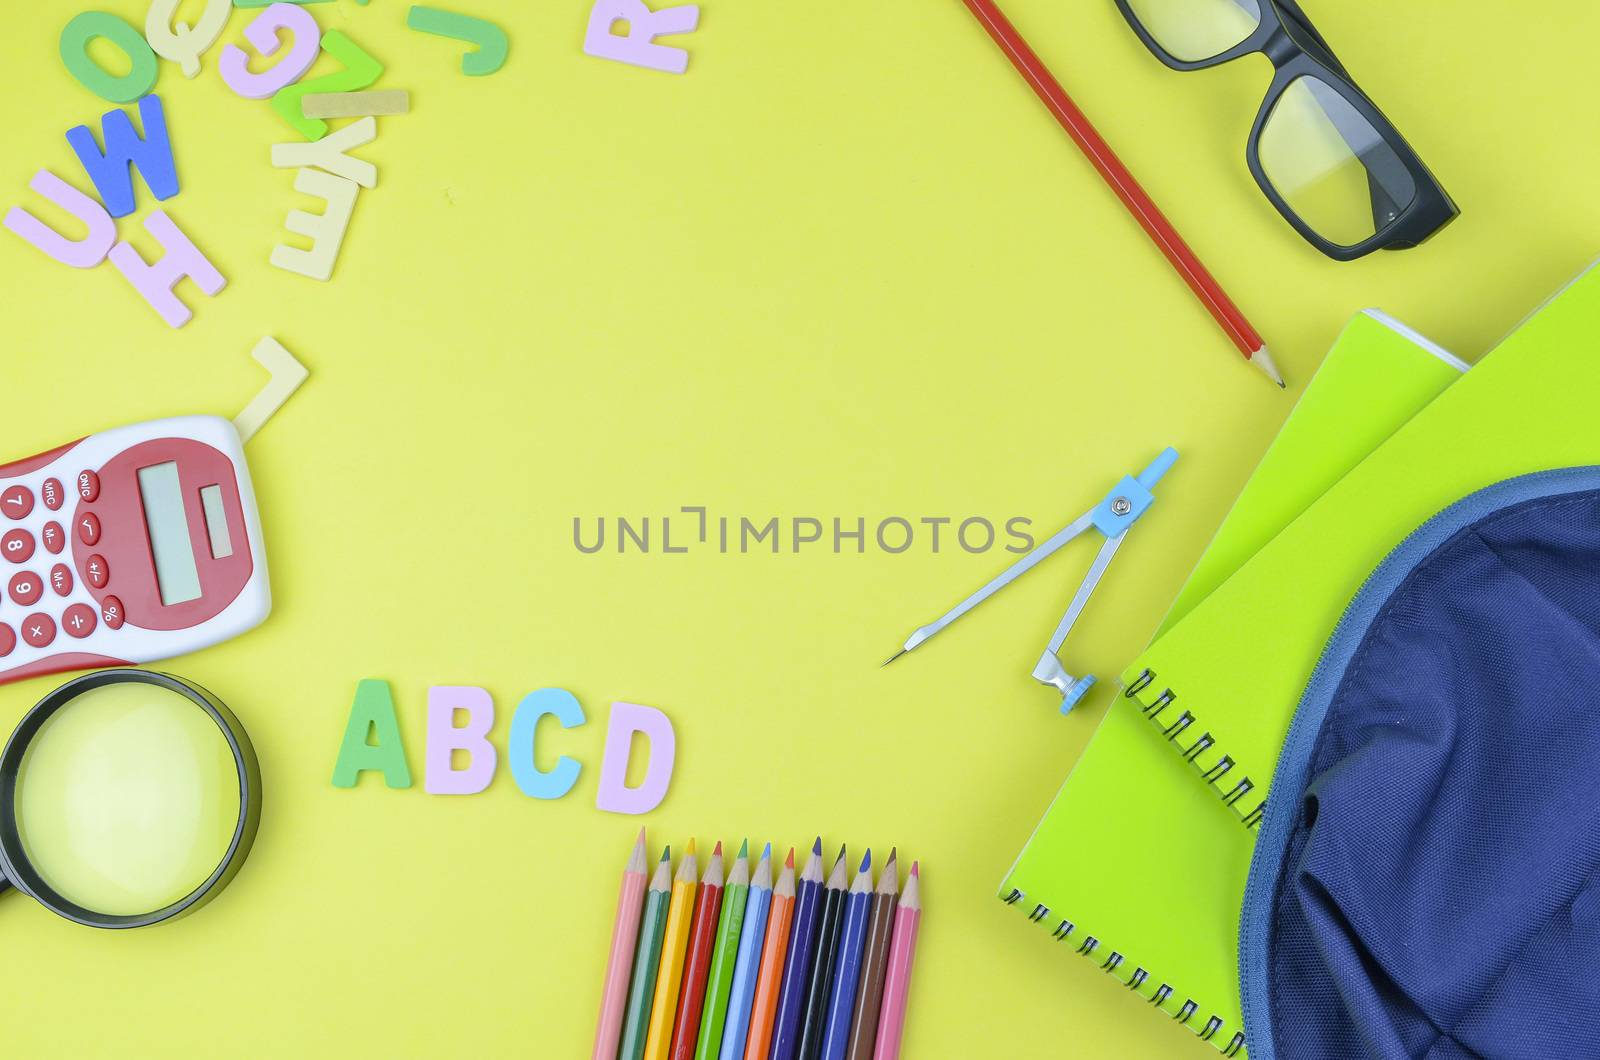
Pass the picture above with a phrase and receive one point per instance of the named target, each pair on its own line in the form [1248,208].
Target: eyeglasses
[1325,156]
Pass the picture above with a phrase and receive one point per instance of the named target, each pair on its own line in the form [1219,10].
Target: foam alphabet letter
[325,230]
[151,156]
[489,40]
[156,280]
[372,712]
[178,43]
[306,41]
[533,781]
[360,70]
[444,738]
[328,153]
[82,253]
[637,47]
[614,794]
[142,69]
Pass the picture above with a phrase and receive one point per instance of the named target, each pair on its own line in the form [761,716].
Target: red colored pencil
[1143,208]
[702,935]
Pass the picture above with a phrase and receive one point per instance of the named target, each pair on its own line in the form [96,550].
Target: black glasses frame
[1295,48]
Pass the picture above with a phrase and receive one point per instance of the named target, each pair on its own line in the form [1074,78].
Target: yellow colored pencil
[669,979]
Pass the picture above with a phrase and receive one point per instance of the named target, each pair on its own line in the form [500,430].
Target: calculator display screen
[176,573]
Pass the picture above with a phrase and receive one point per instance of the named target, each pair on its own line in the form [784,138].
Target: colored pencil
[897,979]
[674,944]
[624,935]
[822,967]
[769,977]
[869,994]
[797,962]
[646,961]
[702,936]
[1115,174]
[719,980]
[847,965]
[741,993]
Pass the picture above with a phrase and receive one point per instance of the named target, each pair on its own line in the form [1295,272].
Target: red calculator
[128,546]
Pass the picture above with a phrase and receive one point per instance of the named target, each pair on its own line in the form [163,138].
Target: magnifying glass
[126,798]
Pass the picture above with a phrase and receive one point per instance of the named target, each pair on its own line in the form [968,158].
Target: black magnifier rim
[13,858]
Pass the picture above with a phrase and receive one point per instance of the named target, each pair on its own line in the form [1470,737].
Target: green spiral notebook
[1219,689]
[1130,797]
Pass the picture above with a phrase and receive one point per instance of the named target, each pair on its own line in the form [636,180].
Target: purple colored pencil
[797,962]
[847,965]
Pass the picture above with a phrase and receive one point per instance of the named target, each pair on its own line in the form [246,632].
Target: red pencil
[1143,208]
[702,934]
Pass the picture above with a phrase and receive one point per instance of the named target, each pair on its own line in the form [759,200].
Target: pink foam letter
[82,253]
[614,794]
[445,737]
[306,40]
[637,46]
[155,280]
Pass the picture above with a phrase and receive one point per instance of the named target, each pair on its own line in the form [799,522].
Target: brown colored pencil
[874,963]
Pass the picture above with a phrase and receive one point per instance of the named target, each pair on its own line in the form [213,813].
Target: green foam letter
[373,710]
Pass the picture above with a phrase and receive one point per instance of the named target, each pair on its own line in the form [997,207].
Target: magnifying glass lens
[127,798]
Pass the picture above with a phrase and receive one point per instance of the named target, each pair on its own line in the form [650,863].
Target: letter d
[614,795]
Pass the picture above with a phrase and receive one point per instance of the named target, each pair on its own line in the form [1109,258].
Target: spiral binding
[1136,980]
[1239,793]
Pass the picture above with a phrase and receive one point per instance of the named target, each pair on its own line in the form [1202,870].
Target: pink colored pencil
[614,997]
[896,984]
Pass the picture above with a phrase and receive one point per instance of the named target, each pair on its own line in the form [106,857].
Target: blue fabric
[1426,882]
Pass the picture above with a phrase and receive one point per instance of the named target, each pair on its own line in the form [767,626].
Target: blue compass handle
[1132,496]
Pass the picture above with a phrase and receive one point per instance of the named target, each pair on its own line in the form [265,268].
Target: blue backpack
[1426,881]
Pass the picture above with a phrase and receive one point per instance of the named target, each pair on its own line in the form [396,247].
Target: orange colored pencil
[769,981]
[702,936]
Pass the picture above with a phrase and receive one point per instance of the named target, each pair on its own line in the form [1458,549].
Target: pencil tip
[688,851]
[816,848]
[893,852]
[841,854]
[666,852]
[717,850]
[766,852]
[788,862]
[1262,359]
[640,840]
[914,865]
[744,849]
[866,862]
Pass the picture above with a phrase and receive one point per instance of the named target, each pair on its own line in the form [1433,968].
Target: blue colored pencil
[830,921]
[797,962]
[743,993]
[847,965]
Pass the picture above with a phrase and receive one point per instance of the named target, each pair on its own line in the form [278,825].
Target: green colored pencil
[646,961]
[724,954]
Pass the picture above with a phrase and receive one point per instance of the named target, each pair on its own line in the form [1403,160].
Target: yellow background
[846,266]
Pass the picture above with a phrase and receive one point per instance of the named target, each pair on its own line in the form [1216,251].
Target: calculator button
[55,538]
[96,571]
[89,528]
[26,588]
[53,494]
[16,502]
[38,629]
[78,620]
[111,612]
[61,579]
[88,485]
[8,640]
[17,546]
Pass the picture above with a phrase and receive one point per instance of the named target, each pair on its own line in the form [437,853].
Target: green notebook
[1127,792]
[1219,690]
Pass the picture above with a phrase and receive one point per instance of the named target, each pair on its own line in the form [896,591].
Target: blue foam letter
[110,171]
[534,781]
